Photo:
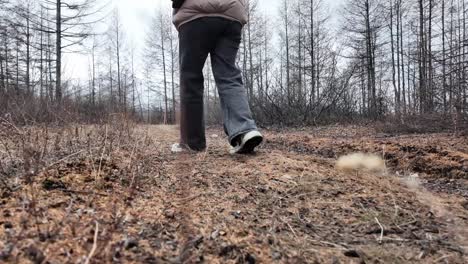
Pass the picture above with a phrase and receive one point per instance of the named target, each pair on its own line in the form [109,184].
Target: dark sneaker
[247,143]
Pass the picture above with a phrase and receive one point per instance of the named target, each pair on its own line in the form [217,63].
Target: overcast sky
[136,14]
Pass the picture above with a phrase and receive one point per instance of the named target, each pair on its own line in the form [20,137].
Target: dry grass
[115,193]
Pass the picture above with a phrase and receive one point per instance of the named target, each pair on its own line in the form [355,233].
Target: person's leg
[236,111]
[194,45]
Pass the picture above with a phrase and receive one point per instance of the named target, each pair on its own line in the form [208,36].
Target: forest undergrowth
[115,193]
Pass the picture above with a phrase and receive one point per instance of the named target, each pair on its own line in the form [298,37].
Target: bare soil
[116,194]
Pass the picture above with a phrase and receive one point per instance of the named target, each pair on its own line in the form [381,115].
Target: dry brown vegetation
[115,193]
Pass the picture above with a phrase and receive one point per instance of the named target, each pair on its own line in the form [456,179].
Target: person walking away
[214,28]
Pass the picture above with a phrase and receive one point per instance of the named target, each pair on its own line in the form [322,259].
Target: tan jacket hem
[206,15]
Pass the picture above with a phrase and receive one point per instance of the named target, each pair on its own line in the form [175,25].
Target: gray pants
[220,38]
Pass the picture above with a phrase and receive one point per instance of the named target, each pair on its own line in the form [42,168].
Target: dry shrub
[419,124]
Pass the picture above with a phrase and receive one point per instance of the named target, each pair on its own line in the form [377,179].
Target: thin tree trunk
[286,23]
[173,78]
[451,81]
[409,71]
[430,81]
[2,73]
[460,69]
[50,90]
[465,62]
[266,61]
[163,53]
[402,49]
[93,76]
[422,60]
[299,53]
[41,63]
[7,74]
[28,54]
[17,67]
[119,81]
[397,110]
[133,84]
[398,49]
[249,33]
[58,46]
[370,64]
[111,81]
[444,61]
[312,53]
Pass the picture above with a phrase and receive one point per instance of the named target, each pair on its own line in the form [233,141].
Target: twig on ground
[84,192]
[290,227]
[441,258]
[93,249]
[381,230]
[186,199]
[343,247]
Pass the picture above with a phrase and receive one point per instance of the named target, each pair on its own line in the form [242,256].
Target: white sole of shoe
[250,141]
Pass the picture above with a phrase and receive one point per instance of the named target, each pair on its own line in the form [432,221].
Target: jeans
[220,38]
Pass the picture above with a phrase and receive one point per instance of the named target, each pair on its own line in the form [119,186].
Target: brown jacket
[193,9]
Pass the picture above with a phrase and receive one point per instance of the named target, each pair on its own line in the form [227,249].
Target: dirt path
[286,204]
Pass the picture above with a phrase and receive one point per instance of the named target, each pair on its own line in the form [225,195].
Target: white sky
[136,14]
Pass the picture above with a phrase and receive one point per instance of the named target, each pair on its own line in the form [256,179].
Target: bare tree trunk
[452,54]
[299,52]
[430,81]
[93,75]
[173,78]
[318,65]
[111,81]
[422,60]
[371,84]
[400,18]
[2,77]
[149,107]
[125,92]
[17,67]
[28,53]
[312,52]
[409,73]
[444,60]
[398,99]
[397,110]
[58,47]
[2,70]
[249,33]
[465,62]
[163,53]
[133,83]
[119,80]
[41,63]
[50,90]
[260,68]
[364,109]
[244,62]
[7,74]
[460,63]
[266,61]
[288,72]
